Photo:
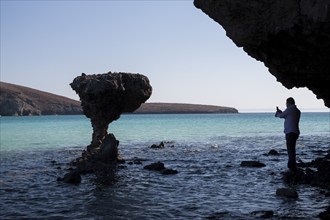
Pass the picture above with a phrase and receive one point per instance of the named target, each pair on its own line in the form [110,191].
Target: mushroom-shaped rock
[104,97]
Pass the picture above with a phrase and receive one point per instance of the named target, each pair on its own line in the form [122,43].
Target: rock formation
[291,37]
[18,100]
[104,97]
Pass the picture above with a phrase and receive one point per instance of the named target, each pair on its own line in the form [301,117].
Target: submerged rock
[252,164]
[287,192]
[155,166]
[168,171]
[72,177]
[159,166]
[161,145]
[272,152]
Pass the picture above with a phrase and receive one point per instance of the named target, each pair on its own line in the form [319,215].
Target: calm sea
[206,150]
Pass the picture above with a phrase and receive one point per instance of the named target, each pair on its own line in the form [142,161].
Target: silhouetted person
[291,129]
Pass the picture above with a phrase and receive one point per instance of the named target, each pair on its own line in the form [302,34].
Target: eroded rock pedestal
[104,97]
[291,37]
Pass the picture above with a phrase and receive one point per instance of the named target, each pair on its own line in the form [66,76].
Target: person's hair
[290,101]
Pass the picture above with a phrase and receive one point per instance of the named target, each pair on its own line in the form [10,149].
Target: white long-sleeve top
[292,116]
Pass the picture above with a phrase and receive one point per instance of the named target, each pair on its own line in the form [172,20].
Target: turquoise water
[206,149]
[49,132]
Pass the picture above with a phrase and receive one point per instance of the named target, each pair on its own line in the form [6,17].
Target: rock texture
[18,100]
[104,97]
[315,173]
[291,37]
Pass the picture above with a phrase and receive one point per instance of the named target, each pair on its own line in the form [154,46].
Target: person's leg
[291,140]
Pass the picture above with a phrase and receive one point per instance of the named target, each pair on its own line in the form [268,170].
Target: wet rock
[273,152]
[287,192]
[168,171]
[315,173]
[109,149]
[252,164]
[263,214]
[72,177]
[158,146]
[137,161]
[293,178]
[155,166]
[159,166]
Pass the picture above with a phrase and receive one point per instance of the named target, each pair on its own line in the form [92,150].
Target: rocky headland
[291,37]
[16,100]
[182,108]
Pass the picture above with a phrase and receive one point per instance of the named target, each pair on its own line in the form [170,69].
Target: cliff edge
[18,100]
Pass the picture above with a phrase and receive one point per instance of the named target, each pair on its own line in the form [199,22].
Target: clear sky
[186,55]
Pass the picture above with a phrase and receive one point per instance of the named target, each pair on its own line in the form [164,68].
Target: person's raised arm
[278,111]
[281,114]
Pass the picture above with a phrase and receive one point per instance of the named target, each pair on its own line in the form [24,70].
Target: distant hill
[179,108]
[18,100]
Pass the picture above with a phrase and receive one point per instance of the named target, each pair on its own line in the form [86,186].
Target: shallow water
[205,150]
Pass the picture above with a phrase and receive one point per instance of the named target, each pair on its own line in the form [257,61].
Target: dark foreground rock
[290,37]
[315,173]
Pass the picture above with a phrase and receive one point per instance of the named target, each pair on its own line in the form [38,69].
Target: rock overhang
[291,37]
